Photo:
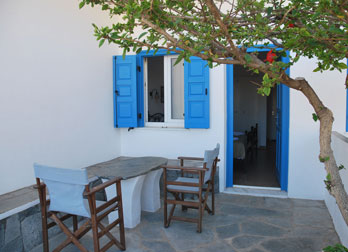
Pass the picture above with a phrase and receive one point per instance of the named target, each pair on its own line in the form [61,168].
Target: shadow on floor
[241,224]
[257,169]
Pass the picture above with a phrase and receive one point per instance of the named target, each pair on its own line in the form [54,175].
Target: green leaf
[142,35]
[101,42]
[315,117]
[341,167]
[317,69]
[328,177]
[269,11]
[336,248]
[124,53]
[180,57]
[81,4]
[247,58]
[324,159]
[342,65]
[267,90]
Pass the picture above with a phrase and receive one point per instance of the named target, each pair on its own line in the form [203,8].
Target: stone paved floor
[241,224]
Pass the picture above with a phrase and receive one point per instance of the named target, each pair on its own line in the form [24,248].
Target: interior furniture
[140,184]
[70,196]
[252,140]
[201,184]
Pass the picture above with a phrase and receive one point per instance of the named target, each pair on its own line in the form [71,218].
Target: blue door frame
[283,95]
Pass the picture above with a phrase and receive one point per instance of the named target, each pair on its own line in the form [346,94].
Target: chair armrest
[36,186]
[191,158]
[184,168]
[103,186]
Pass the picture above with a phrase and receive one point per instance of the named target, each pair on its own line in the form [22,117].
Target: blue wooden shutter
[196,93]
[125,92]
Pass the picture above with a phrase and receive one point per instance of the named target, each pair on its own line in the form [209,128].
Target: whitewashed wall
[340,147]
[56,95]
[306,173]
[56,102]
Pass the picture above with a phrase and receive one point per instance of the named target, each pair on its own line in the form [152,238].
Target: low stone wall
[22,231]
[340,149]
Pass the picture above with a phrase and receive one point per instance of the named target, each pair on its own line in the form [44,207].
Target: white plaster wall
[306,173]
[340,147]
[56,100]
[250,108]
[174,142]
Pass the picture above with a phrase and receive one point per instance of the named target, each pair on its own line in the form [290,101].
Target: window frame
[168,121]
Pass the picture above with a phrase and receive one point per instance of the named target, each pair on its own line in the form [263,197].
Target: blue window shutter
[196,93]
[125,92]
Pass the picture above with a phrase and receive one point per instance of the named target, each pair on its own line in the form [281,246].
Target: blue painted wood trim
[140,89]
[285,96]
[285,108]
[196,94]
[114,88]
[229,130]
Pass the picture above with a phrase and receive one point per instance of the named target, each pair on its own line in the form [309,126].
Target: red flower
[270,56]
[291,25]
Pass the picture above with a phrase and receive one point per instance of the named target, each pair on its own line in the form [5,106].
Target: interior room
[155,89]
[254,131]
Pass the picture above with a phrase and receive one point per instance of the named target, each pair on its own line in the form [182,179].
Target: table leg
[131,192]
[150,194]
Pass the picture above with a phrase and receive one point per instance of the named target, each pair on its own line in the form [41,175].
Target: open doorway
[254,124]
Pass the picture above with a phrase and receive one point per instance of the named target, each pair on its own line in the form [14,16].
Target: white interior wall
[272,115]
[56,98]
[249,106]
[306,173]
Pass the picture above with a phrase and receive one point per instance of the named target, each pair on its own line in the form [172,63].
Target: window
[164,91]
[153,91]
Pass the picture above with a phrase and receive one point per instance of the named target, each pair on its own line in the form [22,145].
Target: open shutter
[196,93]
[125,92]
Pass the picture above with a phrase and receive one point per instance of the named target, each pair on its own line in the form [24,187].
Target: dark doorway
[254,127]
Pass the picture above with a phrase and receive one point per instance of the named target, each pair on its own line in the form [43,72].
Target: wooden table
[140,184]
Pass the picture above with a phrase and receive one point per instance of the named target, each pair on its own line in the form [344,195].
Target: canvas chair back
[209,158]
[65,188]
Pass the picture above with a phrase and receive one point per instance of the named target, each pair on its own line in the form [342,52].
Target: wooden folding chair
[201,186]
[67,192]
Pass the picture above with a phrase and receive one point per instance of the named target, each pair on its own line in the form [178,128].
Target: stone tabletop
[125,167]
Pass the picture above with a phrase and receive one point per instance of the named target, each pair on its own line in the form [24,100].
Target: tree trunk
[334,183]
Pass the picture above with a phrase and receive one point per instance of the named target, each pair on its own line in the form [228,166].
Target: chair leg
[171,213]
[44,230]
[68,233]
[78,234]
[200,211]
[75,226]
[120,215]
[213,198]
[112,238]
[95,233]
[165,204]
[183,208]
[43,206]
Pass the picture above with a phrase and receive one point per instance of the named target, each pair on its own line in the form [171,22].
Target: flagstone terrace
[241,224]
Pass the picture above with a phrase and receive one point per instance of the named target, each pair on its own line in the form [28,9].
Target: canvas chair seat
[184,188]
